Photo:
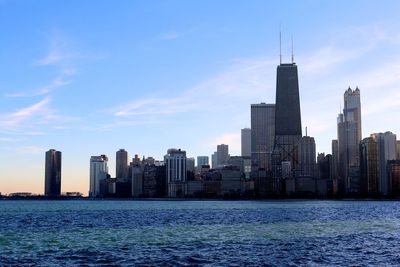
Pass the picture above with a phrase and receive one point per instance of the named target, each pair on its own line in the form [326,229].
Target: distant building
[246,142]
[190,163]
[349,137]
[398,149]
[121,171]
[52,184]
[190,169]
[136,170]
[393,167]
[307,154]
[262,135]
[201,160]
[214,161]
[242,163]
[386,150]
[222,154]
[150,180]
[335,163]
[231,181]
[369,166]
[175,162]
[288,130]
[98,172]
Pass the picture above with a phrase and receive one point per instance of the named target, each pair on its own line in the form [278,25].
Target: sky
[91,77]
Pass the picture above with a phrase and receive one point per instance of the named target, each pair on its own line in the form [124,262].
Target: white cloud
[30,150]
[171,36]
[56,83]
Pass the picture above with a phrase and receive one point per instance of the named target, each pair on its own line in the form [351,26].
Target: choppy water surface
[202,233]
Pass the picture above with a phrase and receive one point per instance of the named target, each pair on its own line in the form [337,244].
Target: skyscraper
[398,149]
[98,172]
[201,160]
[246,142]
[369,181]
[307,155]
[122,169]
[386,150]
[190,163]
[288,130]
[349,137]
[334,168]
[222,154]
[175,162]
[214,162]
[262,134]
[52,183]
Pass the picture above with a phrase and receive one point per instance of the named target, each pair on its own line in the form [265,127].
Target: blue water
[199,233]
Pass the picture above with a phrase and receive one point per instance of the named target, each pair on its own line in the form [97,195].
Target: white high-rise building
[246,142]
[175,162]
[98,172]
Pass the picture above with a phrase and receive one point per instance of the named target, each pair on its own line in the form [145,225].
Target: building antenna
[306,131]
[292,51]
[280,46]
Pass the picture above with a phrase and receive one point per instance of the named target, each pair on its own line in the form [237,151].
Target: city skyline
[42,111]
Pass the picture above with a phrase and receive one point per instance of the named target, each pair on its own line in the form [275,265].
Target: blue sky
[90,77]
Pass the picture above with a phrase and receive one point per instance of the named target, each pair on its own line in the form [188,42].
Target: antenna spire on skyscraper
[292,51]
[280,46]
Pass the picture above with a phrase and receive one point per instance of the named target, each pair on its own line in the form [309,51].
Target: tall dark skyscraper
[52,183]
[121,170]
[287,118]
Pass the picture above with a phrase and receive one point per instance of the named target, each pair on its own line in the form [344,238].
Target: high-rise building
[98,172]
[398,149]
[334,167]
[369,180]
[307,155]
[394,176]
[246,142]
[52,183]
[349,137]
[288,131]
[136,170]
[214,162]
[222,154]
[262,135]
[122,169]
[175,162]
[190,163]
[201,160]
[386,150]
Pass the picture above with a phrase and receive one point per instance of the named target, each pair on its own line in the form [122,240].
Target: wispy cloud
[56,83]
[171,36]
[59,52]
[26,120]
[30,150]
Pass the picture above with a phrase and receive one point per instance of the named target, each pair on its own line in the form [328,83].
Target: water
[199,233]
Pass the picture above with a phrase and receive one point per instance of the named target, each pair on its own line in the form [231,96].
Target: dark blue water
[199,233]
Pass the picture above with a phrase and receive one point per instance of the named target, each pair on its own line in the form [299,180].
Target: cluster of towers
[276,160]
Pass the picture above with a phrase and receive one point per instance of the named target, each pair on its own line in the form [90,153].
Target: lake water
[199,233]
